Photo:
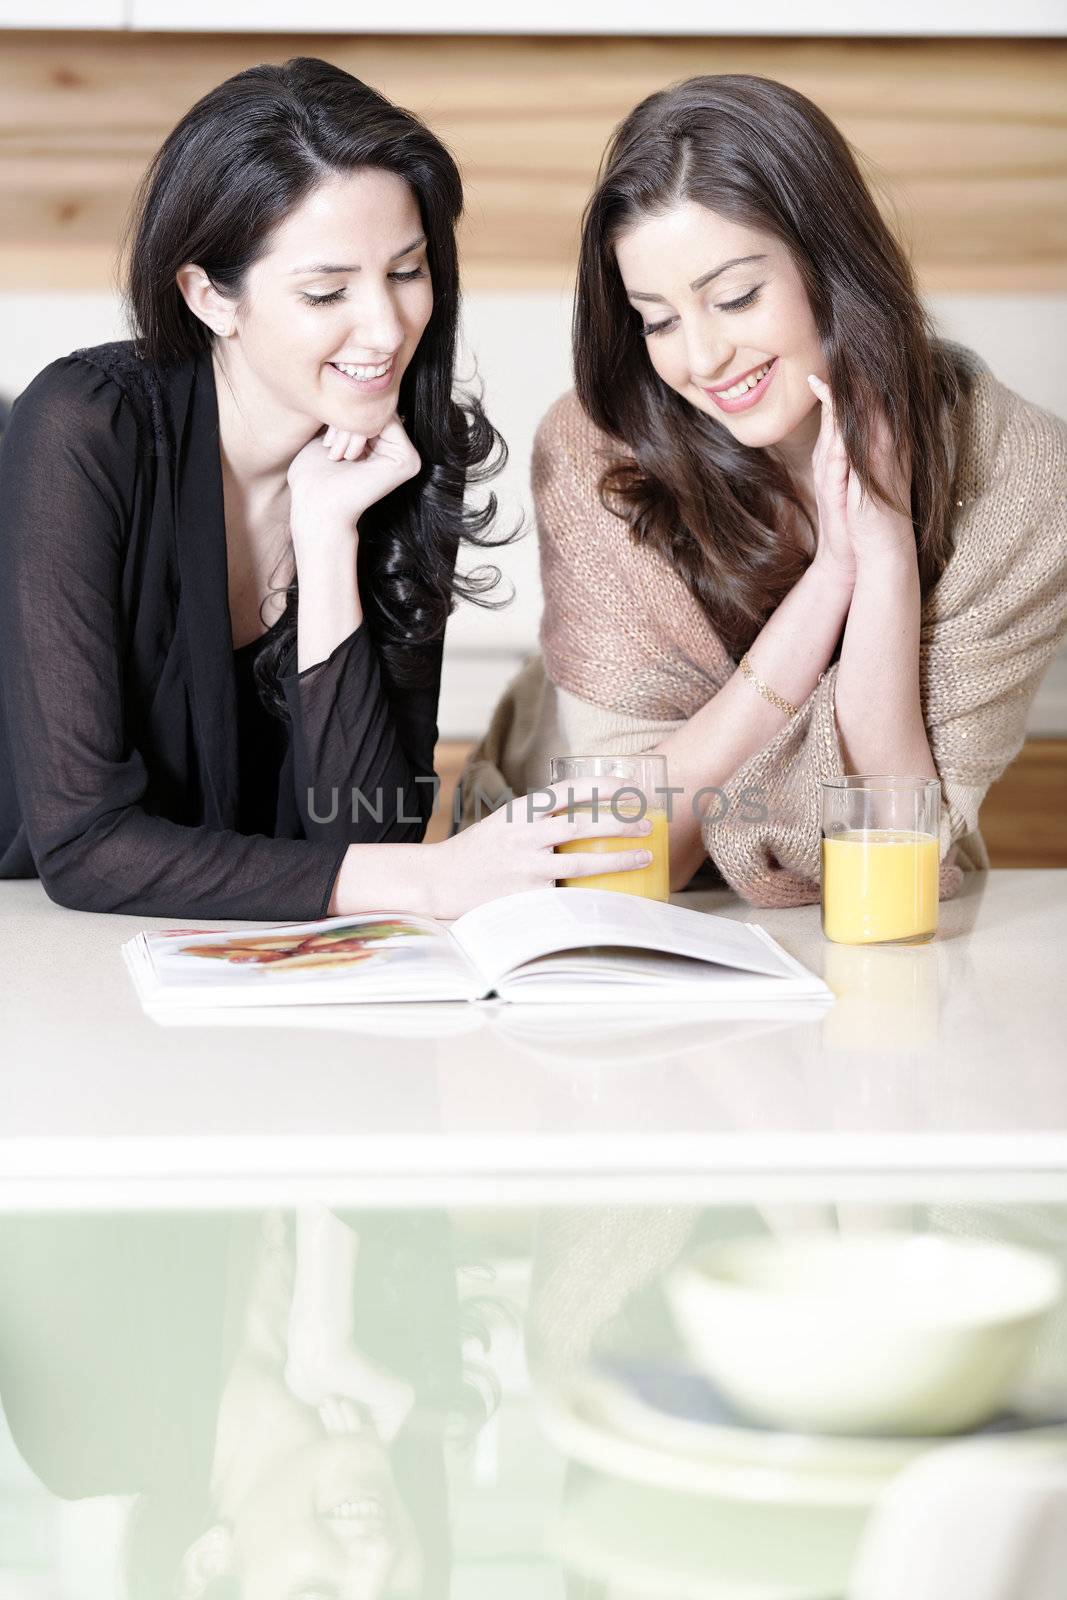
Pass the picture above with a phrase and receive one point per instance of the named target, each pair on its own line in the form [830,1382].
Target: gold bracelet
[765,690]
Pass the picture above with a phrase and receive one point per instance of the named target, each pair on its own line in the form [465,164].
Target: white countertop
[940,1070]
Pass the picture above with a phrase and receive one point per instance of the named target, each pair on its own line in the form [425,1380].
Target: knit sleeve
[618,628]
[989,629]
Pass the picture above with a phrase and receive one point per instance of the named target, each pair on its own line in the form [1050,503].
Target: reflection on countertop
[369,1405]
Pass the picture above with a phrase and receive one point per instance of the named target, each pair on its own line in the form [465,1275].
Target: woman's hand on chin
[338,475]
[882,531]
[834,555]
[347,1389]
[859,531]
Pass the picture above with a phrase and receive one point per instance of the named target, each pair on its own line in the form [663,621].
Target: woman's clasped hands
[855,528]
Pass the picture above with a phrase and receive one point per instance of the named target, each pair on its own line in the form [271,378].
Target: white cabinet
[1042,18]
[701,18]
[63,13]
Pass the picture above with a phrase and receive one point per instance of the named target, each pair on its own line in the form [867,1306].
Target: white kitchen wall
[518,344]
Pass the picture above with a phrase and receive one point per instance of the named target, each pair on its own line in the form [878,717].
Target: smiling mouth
[748,380]
[367,1515]
[377,376]
[747,391]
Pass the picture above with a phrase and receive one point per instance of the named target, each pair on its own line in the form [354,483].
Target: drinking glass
[880,857]
[644,795]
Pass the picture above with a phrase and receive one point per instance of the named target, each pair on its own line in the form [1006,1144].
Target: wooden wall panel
[1024,815]
[964,140]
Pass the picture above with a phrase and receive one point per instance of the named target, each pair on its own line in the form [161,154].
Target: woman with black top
[281,429]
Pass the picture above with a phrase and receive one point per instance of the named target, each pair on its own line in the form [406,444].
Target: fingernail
[812,379]
[646,826]
[644,856]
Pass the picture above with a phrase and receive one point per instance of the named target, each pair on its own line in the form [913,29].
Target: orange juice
[879,884]
[653,881]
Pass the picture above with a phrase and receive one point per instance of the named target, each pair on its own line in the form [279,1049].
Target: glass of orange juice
[636,787]
[880,859]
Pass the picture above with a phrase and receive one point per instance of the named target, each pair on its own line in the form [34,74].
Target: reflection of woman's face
[719,301]
[325,1520]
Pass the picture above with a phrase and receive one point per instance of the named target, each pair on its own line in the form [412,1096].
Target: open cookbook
[543,946]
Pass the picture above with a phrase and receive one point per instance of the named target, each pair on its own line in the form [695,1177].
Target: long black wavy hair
[239,161]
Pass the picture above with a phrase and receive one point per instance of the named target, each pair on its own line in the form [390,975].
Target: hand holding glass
[644,780]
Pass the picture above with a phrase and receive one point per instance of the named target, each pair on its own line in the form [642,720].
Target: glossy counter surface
[937,1064]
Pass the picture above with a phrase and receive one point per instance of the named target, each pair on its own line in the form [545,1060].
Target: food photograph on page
[533,765]
[343,944]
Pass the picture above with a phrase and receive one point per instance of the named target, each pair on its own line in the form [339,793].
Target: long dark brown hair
[239,161]
[761,154]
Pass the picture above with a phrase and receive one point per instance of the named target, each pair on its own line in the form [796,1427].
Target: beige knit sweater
[628,654]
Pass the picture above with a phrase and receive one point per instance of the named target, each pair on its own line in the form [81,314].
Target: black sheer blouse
[138,771]
[262,743]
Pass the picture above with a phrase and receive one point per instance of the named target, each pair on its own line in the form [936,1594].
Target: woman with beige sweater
[785,531]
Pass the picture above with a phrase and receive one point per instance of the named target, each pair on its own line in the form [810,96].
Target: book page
[367,956]
[632,978]
[502,935]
